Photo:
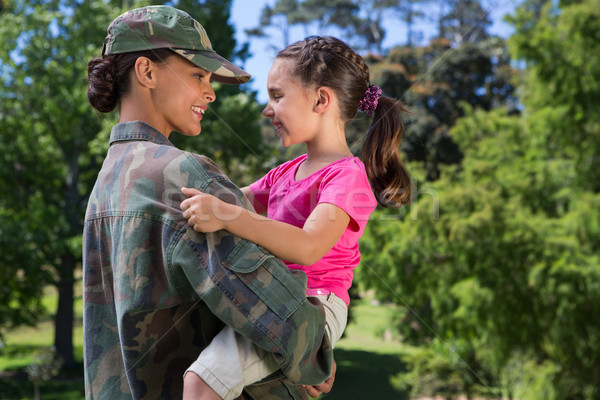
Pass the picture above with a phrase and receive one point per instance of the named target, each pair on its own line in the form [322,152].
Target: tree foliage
[360,23]
[466,22]
[48,166]
[433,81]
[505,277]
[562,55]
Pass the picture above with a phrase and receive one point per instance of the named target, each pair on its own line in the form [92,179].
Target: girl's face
[290,105]
[181,96]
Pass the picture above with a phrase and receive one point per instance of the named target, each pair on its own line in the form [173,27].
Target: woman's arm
[303,246]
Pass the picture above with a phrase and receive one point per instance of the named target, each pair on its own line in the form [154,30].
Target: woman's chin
[195,132]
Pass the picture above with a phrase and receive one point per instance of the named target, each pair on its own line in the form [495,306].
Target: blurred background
[487,286]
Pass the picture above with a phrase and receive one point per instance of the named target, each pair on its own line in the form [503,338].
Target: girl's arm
[303,246]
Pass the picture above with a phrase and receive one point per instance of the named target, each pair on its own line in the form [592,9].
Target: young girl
[317,204]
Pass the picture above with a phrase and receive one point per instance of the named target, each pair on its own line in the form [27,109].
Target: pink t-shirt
[343,183]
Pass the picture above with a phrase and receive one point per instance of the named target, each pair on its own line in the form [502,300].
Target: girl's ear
[145,72]
[324,99]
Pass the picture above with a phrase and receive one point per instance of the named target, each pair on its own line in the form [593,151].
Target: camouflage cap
[157,27]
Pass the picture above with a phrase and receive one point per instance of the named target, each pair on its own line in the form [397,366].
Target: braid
[321,44]
[327,61]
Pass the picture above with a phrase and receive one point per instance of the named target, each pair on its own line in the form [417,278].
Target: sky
[245,14]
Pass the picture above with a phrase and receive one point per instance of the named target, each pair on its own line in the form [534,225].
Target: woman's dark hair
[108,77]
[327,61]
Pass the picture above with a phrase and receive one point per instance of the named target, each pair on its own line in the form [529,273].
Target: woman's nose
[210,95]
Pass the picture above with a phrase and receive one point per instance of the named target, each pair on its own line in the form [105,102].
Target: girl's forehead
[282,66]
[282,71]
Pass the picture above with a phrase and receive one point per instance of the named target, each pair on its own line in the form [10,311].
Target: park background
[486,286]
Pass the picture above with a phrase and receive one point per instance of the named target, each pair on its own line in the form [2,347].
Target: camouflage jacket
[156,291]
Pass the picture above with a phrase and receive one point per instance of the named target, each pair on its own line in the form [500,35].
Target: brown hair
[108,77]
[328,61]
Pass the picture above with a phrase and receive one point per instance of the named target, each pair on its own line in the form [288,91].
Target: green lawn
[20,348]
[365,360]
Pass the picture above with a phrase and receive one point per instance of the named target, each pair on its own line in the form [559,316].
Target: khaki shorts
[231,361]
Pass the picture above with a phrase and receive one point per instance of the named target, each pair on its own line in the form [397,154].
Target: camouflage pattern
[156,291]
[156,27]
[275,390]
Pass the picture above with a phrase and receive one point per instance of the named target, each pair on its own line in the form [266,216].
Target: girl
[317,204]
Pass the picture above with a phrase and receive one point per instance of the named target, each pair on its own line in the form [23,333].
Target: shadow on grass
[68,385]
[363,375]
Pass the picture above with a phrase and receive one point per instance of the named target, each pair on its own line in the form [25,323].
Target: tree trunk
[63,321]
[36,390]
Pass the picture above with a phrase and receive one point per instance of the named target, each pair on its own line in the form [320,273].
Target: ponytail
[380,154]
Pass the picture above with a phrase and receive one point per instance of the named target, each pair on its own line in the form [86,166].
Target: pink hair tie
[369,102]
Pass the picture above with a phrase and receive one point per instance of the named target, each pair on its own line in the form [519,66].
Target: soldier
[155,291]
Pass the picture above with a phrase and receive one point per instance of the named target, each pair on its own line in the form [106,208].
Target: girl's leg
[336,316]
[231,362]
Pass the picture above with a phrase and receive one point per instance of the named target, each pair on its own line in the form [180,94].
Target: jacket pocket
[280,288]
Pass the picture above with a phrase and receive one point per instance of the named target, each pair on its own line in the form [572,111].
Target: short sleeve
[348,188]
[261,189]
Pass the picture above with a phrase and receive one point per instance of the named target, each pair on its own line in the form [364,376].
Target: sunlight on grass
[22,343]
[369,329]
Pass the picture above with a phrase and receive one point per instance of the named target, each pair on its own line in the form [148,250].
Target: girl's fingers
[190,191]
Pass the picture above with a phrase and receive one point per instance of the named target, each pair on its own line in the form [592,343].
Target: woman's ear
[145,72]
[324,99]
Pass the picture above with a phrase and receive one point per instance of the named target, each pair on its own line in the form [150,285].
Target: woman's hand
[204,212]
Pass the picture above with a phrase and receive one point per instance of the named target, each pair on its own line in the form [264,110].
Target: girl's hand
[325,387]
[204,212]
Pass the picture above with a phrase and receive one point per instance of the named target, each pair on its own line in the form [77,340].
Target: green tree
[360,23]
[462,64]
[466,21]
[55,143]
[504,272]
[48,164]
[506,276]
[281,17]
[433,80]
[561,49]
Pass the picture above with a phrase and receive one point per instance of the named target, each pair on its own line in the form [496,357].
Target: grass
[21,346]
[365,360]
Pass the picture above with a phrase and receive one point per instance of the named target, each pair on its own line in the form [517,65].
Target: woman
[156,291]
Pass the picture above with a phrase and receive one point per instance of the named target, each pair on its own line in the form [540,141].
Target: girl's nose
[267,112]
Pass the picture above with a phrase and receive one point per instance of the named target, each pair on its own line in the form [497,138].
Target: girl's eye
[199,76]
